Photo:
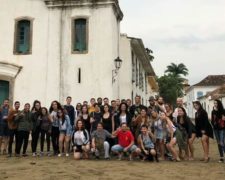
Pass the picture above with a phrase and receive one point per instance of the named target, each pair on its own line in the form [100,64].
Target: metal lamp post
[117,63]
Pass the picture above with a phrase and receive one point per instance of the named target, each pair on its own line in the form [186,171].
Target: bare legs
[191,147]
[172,149]
[205,145]
[64,141]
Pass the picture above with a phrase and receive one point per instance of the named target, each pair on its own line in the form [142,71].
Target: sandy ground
[54,168]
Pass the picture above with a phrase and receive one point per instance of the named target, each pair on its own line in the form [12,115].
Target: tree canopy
[171,84]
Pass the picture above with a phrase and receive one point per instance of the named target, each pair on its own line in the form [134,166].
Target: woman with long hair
[185,123]
[159,131]
[36,112]
[171,136]
[169,111]
[78,110]
[46,128]
[65,131]
[107,122]
[203,128]
[218,123]
[139,121]
[80,141]
[85,117]
[123,116]
[55,106]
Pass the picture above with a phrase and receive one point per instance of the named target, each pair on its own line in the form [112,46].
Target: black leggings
[35,137]
[43,133]
[55,139]
[22,139]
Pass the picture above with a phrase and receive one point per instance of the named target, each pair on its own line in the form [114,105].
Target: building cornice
[86,3]
[9,69]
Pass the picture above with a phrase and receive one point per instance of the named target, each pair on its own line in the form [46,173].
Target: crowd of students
[101,129]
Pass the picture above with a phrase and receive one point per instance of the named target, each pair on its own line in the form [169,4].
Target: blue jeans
[118,148]
[220,138]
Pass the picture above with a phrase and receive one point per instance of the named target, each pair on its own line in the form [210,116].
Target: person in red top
[126,142]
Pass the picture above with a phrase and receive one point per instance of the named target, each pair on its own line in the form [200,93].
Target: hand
[125,149]
[202,131]
[146,152]
[5,117]
[92,120]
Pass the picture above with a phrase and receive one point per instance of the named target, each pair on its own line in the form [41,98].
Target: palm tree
[177,70]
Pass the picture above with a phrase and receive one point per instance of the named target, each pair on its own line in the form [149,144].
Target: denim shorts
[4,130]
[119,148]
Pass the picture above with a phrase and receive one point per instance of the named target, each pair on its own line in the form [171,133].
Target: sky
[180,31]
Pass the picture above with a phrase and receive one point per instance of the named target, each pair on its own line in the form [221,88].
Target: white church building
[51,49]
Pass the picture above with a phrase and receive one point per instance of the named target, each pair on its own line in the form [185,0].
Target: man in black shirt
[135,109]
[70,110]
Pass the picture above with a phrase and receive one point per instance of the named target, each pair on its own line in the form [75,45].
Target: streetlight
[117,63]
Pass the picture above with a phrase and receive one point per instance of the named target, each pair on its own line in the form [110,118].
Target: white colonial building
[51,49]
[204,87]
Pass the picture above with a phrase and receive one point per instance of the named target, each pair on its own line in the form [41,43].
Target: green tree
[171,84]
[177,70]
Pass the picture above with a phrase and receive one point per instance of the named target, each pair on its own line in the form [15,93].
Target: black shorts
[78,148]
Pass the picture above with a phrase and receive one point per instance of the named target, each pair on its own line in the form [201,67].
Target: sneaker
[41,154]
[9,155]
[107,158]
[34,154]
[48,154]
[120,157]
[67,154]
[130,158]
[59,155]
[221,160]
[25,155]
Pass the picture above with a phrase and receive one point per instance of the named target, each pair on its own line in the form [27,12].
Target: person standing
[91,108]
[171,136]
[65,132]
[55,106]
[46,128]
[96,117]
[4,130]
[218,122]
[70,110]
[108,123]
[185,124]
[203,128]
[139,121]
[35,112]
[123,116]
[24,128]
[13,126]
[135,109]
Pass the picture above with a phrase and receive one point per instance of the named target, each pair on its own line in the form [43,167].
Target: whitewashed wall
[191,96]
[40,75]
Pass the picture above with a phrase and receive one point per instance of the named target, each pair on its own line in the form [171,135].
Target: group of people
[101,129]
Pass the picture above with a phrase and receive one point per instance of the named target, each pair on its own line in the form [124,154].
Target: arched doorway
[8,74]
[4,90]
